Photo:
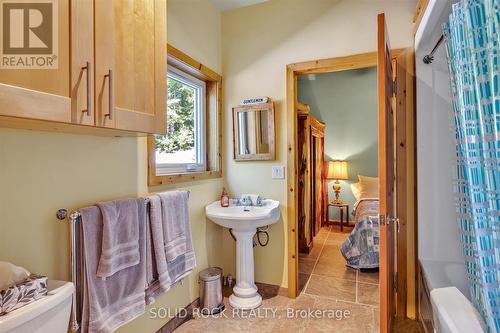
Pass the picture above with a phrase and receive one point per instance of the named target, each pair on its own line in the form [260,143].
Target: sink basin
[244,217]
[243,222]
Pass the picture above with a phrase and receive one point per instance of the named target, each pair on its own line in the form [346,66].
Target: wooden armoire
[311,177]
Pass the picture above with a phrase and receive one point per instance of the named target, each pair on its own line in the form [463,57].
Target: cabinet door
[304,200]
[318,184]
[36,92]
[130,57]
[82,58]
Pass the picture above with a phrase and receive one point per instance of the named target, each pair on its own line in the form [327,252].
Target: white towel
[120,236]
[10,275]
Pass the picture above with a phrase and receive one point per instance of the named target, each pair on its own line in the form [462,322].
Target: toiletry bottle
[224,199]
[229,280]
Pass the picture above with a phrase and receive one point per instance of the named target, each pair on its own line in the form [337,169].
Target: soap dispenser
[224,199]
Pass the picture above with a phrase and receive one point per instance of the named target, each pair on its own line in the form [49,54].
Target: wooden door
[130,69]
[314,184]
[318,183]
[39,93]
[82,59]
[303,190]
[387,176]
[317,149]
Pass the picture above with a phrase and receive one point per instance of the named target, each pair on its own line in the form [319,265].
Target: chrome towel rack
[62,215]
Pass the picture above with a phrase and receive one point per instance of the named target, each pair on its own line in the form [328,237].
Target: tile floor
[324,273]
[306,313]
[334,298]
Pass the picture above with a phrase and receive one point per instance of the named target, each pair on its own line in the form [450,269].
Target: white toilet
[49,314]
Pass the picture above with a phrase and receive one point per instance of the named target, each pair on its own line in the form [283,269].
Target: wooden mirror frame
[269,107]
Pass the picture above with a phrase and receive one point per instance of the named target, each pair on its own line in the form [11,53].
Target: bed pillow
[369,187]
[356,190]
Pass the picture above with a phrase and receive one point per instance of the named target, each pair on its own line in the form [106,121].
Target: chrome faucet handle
[245,201]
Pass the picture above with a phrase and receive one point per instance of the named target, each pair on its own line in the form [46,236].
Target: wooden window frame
[213,132]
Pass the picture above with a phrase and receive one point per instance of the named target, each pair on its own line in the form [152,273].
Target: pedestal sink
[244,221]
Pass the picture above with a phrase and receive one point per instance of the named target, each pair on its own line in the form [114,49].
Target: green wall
[347,102]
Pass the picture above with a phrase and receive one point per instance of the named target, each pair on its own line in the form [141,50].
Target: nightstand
[341,206]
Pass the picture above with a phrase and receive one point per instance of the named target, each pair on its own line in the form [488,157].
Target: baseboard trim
[270,290]
[177,321]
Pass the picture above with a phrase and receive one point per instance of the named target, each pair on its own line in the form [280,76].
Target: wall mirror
[253,132]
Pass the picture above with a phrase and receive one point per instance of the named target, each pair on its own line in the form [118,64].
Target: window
[191,148]
[183,148]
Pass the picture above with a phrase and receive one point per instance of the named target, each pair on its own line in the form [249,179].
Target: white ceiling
[224,5]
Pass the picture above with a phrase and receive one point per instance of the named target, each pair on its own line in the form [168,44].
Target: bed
[361,248]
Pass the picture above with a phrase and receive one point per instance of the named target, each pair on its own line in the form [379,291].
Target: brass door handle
[88,69]
[110,97]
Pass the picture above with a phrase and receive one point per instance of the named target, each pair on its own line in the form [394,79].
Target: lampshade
[337,170]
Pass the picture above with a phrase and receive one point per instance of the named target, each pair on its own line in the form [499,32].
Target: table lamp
[337,170]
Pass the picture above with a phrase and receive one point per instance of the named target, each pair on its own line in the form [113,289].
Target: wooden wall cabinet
[112,70]
[311,194]
[41,93]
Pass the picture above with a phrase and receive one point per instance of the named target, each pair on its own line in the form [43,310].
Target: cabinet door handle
[88,69]
[110,98]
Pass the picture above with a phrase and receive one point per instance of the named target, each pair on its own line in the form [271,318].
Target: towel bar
[74,217]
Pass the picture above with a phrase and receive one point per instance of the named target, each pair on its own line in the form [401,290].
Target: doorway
[404,298]
[339,254]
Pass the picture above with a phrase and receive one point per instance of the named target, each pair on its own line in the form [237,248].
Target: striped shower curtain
[473,49]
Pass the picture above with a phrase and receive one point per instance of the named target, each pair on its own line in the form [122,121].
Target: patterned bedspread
[361,248]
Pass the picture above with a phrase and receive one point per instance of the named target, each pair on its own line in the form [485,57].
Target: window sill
[154,180]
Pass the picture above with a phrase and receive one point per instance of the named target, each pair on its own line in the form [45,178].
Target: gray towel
[111,303]
[120,236]
[169,271]
[158,277]
[151,271]
[175,215]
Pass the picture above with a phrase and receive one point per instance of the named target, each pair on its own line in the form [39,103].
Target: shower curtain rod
[430,57]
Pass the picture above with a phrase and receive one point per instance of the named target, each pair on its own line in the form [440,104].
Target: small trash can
[211,301]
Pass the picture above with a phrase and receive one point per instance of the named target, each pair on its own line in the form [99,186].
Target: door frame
[356,61]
